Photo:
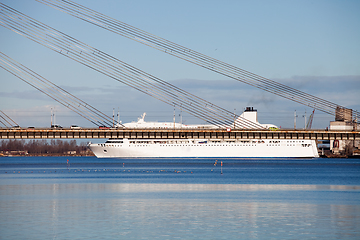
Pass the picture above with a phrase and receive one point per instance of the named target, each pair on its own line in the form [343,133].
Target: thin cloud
[229,94]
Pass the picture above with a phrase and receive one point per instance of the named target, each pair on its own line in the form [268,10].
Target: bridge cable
[53,91]
[192,56]
[117,69]
[8,120]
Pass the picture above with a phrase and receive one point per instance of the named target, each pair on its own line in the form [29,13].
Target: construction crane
[308,125]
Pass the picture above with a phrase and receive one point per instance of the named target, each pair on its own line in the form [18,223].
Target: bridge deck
[176,133]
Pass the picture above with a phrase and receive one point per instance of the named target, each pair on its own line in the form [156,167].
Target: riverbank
[25,154]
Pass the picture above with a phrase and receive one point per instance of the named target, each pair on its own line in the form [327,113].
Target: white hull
[204,148]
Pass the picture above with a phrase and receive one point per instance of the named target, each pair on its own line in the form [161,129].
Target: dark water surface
[90,198]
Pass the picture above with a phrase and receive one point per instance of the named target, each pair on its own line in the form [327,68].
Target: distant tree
[42,146]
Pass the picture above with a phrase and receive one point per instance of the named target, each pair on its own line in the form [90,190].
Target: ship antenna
[113,117]
[181,116]
[234,117]
[174,116]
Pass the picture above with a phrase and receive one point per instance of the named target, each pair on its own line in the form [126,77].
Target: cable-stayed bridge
[138,79]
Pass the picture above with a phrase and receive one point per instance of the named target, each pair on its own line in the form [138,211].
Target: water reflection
[187,211]
[30,189]
[132,187]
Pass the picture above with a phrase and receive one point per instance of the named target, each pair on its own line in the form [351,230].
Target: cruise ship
[203,148]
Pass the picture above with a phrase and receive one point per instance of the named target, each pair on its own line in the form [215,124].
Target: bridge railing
[91,133]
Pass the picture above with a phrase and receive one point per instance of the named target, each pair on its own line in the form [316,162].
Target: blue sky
[309,45]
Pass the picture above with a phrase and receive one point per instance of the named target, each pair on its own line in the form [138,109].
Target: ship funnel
[250,114]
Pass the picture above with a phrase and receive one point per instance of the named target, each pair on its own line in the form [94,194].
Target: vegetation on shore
[43,148]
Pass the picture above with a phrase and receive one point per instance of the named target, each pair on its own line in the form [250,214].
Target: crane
[308,125]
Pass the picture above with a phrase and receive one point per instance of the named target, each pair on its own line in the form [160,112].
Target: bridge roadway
[90,133]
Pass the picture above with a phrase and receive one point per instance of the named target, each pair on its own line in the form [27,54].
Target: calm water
[90,198]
